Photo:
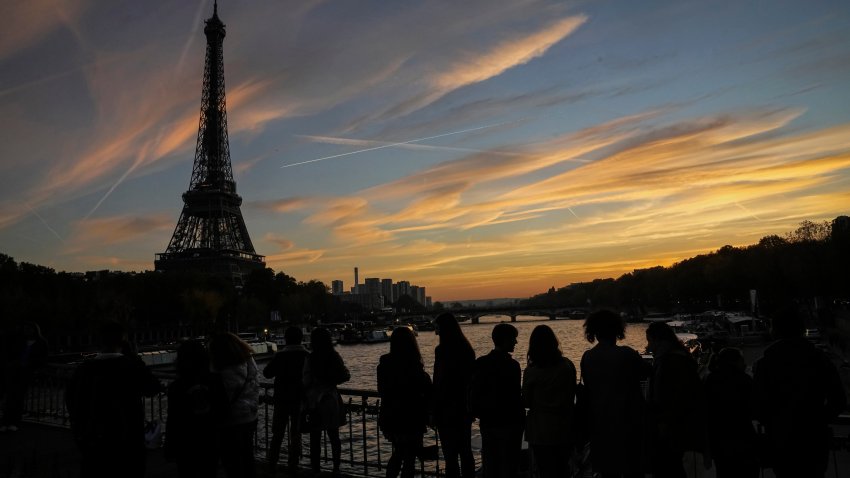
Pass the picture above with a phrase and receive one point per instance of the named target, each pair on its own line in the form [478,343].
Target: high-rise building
[387,291]
[403,288]
[372,285]
[356,288]
[211,236]
[414,293]
[337,287]
[421,297]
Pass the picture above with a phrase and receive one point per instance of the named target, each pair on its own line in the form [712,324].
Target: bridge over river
[475,313]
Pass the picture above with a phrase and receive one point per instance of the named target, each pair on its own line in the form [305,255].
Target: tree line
[810,262]
[810,266]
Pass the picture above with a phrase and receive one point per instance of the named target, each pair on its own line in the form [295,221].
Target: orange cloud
[100,232]
[475,68]
[30,21]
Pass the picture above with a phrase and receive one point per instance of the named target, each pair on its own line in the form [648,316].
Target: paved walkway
[42,451]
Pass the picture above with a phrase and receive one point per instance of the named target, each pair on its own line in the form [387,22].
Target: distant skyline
[486,148]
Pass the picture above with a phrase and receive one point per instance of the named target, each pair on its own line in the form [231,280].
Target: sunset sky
[480,148]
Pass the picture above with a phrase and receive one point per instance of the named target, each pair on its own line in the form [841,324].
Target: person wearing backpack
[238,407]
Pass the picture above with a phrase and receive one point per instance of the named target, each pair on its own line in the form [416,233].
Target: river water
[362,359]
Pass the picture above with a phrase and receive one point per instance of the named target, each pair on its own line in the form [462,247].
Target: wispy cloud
[95,234]
[695,177]
[29,22]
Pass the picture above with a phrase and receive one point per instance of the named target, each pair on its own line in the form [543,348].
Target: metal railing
[364,451]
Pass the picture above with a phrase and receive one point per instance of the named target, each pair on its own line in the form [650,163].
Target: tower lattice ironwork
[211,236]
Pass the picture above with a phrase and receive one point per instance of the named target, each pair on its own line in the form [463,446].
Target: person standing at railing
[729,409]
[616,412]
[323,371]
[287,368]
[236,411]
[191,438]
[454,359]
[27,352]
[675,402]
[405,390]
[548,390]
[798,392]
[496,400]
[104,399]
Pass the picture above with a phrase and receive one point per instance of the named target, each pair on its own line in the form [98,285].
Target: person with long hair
[405,391]
[323,371]
[454,359]
[675,396]
[231,359]
[548,390]
[617,418]
[191,420]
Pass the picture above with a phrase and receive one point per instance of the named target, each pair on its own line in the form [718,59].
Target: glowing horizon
[481,149]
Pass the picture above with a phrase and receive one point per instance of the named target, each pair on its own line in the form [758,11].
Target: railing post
[350,433]
[378,437]
[364,403]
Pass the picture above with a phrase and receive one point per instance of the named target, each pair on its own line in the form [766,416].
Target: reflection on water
[362,359]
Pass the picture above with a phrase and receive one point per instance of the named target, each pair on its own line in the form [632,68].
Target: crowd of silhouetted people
[622,416]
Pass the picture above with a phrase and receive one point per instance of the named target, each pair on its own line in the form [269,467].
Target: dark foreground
[43,451]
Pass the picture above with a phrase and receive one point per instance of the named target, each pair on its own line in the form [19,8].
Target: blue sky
[479,148]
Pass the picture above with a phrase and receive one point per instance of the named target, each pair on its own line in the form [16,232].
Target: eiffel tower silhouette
[211,236]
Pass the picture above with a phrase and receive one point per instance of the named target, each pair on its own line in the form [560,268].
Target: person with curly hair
[617,412]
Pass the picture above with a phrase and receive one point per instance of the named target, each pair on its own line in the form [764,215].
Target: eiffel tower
[211,236]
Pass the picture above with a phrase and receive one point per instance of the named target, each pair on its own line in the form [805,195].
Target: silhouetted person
[496,400]
[323,371]
[729,406]
[104,399]
[27,352]
[453,362]
[237,421]
[191,438]
[798,392]
[405,391]
[287,369]
[674,400]
[617,421]
[548,390]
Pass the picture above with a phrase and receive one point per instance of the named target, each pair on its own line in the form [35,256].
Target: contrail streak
[191,39]
[426,147]
[109,192]
[574,213]
[748,211]
[34,213]
[394,144]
